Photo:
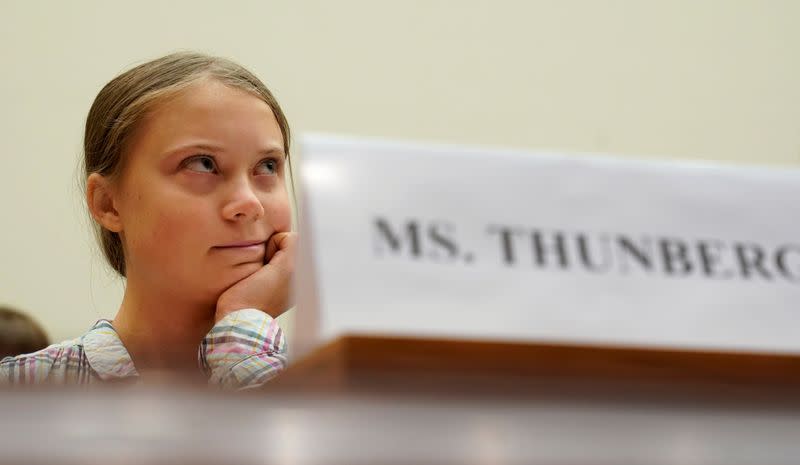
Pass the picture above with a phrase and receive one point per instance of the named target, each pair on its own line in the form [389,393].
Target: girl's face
[202,189]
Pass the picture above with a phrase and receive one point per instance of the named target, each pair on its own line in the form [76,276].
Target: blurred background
[708,79]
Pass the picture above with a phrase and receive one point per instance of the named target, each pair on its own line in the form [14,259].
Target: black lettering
[540,250]
[674,253]
[438,233]
[506,242]
[780,261]
[642,255]
[585,255]
[751,258]
[709,252]
[386,236]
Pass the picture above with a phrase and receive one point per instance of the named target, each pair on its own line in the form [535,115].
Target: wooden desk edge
[353,356]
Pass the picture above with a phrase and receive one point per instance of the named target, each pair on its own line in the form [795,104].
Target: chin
[239,272]
[217,283]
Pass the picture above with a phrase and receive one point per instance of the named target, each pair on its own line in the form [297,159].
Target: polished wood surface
[358,364]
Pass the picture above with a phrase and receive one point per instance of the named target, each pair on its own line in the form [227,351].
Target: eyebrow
[274,150]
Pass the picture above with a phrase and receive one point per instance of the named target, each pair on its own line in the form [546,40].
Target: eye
[201,164]
[268,166]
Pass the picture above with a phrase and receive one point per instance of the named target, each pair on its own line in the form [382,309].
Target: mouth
[242,252]
[240,245]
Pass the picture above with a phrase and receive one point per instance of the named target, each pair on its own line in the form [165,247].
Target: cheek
[160,232]
[279,212]
[149,235]
[169,229]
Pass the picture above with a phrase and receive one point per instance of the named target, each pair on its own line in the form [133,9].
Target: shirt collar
[107,355]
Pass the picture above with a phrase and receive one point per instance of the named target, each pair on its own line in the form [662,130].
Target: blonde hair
[124,102]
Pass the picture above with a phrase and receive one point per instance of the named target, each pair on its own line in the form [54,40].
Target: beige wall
[687,79]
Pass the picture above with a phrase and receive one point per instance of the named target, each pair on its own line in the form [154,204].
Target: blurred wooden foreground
[366,400]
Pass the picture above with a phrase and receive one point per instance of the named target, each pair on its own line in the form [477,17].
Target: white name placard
[437,241]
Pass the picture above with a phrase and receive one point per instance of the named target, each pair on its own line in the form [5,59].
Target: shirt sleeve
[245,349]
[5,370]
[57,364]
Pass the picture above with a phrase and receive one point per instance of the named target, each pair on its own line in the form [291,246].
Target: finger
[276,242]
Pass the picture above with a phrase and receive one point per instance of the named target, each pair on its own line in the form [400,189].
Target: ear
[100,199]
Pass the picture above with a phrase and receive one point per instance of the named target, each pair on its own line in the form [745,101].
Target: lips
[241,252]
[233,245]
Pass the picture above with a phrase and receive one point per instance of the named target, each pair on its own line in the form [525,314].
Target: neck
[162,330]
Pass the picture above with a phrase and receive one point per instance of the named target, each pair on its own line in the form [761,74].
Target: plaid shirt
[244,349]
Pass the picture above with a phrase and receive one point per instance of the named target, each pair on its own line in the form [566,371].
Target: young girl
[186,159]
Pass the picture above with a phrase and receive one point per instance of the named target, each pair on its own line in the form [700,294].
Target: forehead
[212,111]
[208,93]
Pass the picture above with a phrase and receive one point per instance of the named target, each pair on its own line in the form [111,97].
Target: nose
[243,204]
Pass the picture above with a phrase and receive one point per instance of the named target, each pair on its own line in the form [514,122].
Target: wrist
[227,307]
